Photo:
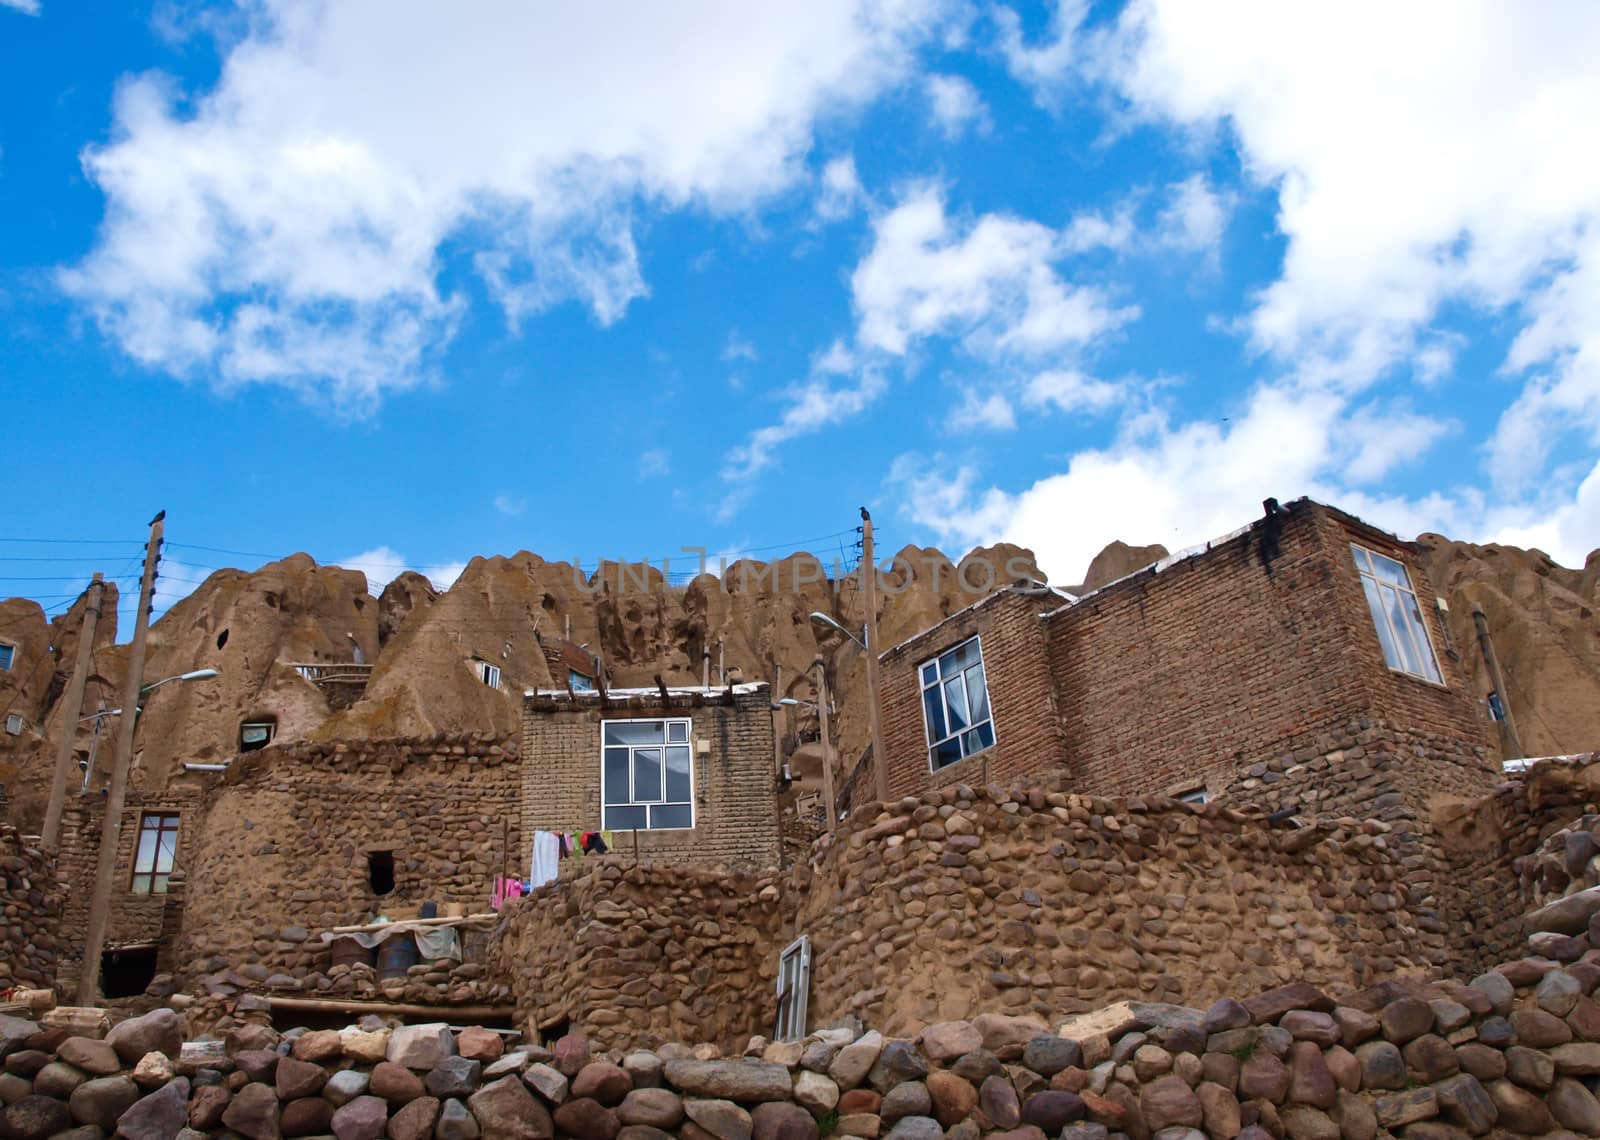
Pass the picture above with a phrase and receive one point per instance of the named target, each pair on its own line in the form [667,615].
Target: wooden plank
[399,1009]
[490,917]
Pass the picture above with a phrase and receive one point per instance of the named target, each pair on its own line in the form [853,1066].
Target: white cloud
[285,226]
[655,463]
[993,412]
[990,283]
[1386,437]
[954,104]
[1194,217]
[1069,390]
[383,564]
[738,348]
[1091,230]
[508,504]
[26,7]
[1043,66]
[841,193]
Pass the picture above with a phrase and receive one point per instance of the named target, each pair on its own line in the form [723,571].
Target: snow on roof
[672,691]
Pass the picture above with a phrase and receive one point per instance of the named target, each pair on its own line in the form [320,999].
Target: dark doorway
[127,971]
[380,871]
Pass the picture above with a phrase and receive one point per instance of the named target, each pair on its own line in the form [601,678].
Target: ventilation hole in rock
[555,1031]
[222,639]
[380,871]
[361,603]
[126,972]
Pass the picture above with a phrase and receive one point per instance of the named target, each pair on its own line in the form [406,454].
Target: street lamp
[823,619]
[192,675]
[879,761]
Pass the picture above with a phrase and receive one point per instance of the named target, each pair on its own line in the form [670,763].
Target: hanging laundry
[593,844]
[546,855]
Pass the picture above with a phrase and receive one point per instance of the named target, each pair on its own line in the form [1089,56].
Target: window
[647,777]
[152,858]
[14,724]
[380,871]
[8,652]
[1401,630]
[489,674]
[255,734]
[1194,796]
[955,705]
[580,682]
[794,982]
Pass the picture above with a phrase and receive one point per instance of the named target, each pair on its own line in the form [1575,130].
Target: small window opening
[255,734]
[580,682]
[222,639]
[127,971]
[380,871]
[489,674]
[794,983]
[14,724]
[8,653]
[1194,796]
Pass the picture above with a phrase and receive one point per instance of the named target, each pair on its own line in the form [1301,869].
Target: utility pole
[827,747]
[869,596]
[105,871]
[1511,743]
[74,705]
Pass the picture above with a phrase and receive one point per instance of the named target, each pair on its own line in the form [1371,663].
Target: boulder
[779,1120]
[1530,1068]
[345,1085]
[1465,1103]
[908,1099]
[750,1082]
[1431,1058]
[602,1081]
[953,1098]
[395,1083]
[456,1123]
[506,1109]
[655,1107]
[257,1064]
[97,1058]
[364,1118]
[585,1118]
[1354,1116]
[1519,1110]
[945,1041]
[1577,1059]
[1266,1008]
[917,1128]
[1382,1066]
[159,1031]
[207,1106]
[58,1079]
[453,1076]
[1263,1076]
[720,1118]
[478,1044]
[1575,1107]
[1302,1122]
[420,1047]
[101,1101]
[308,1116]
[318,1046]
[1219,1109]
[1310,1080]
[897,1062]
[1169,1102]
[853,1062]
[1054,1109]
[366,1047]
[153,1071]
[645,1068]
[416,1119]
[295,1079]
[1405,1018]
[34,1117]
[253,1112]
[547,1081]
[998,1099]
[1006,1036]
[571,1054]
[1399,1109]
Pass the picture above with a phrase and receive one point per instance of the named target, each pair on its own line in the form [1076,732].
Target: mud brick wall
[135,918]
[644,954]
[735,810]
[31,901]
[283,853]
[1034,900]
[1239,656]
[1021,694]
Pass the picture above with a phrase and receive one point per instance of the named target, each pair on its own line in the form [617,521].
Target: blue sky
[398,284]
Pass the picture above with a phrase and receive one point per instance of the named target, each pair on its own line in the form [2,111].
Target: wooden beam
[401,1009]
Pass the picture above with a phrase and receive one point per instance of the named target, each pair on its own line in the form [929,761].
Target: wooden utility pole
[869,597]
[105,872]
[827,746]
[73,706]
[1511,743]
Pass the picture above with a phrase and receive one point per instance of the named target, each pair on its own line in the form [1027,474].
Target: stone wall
[735,808]
[640,954]
[284,850]
[31,901]
[1035,900]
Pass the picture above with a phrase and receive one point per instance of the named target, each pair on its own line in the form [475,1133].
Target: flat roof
[741,689]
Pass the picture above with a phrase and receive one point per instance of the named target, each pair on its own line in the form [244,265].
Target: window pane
[634,732]
[985,733]
[933,709]
[1396,603]
[977,693]
[1391,654]
[141,884]
[958,658]
[158,884]
[145,859]
[581,683]
[646,775]
[678,732]
[955,703]
[947,753]
[616,778]
[930,673]
[1418,629]
[663,816]
[1388,570]
[624,819]
[1362,563]
[164,850]
[678,781]
[6,652]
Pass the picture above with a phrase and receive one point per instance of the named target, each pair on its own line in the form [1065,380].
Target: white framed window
[580,682]
[1194,796]
[152,857]
[8,654]
[14,724]
[1401,629]
[255,734]
[955,704]
[794,985]
[489,674]
[646,775]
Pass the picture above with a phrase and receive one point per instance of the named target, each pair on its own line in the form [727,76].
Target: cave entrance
[380,871]
[125,971]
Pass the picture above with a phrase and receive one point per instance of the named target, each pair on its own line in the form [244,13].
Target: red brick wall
[1021,696]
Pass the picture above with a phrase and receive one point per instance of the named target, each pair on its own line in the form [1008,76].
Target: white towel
[546,855]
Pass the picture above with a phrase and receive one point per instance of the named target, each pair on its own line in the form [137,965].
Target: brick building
[685,774]
[1196,675]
